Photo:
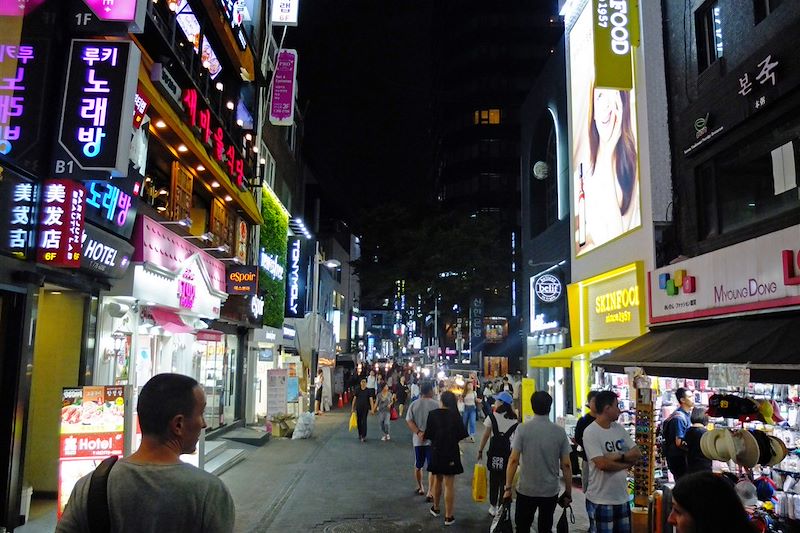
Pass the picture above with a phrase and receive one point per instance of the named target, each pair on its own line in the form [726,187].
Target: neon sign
[12,106]
[23,198]
[295,280]
[270,263]
[112,205]
[61,223]
[186,289]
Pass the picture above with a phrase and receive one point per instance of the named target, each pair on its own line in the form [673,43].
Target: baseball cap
[505,397]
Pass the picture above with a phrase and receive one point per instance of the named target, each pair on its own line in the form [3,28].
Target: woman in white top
[470,411]
[506,420]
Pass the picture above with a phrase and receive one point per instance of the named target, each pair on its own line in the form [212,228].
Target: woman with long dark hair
[502,422]
[445,430]
[707,503]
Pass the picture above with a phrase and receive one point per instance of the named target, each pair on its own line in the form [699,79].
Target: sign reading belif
[95,131]
[295,279]
[281,108]
[61,223]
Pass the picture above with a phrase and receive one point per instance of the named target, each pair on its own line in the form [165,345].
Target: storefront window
[213,373]
[232,354]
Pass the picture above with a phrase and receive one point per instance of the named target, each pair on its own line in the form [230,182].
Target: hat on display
[505,397]
[718,445]
[747,493]
[732,406]
[765,452]
[765,488]
[779,451]
[776,412]
[745,451]
[765,411]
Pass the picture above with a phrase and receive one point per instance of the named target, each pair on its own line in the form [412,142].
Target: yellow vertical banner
[528,388]
[615,30]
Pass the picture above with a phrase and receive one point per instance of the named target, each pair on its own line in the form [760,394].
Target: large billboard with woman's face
[605,162]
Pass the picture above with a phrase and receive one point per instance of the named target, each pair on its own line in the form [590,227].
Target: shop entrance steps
[250,435]
[213,448]
[224,460]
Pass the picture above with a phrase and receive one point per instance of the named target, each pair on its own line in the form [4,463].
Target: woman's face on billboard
[607,114]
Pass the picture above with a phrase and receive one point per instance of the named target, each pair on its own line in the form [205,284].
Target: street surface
[333,483]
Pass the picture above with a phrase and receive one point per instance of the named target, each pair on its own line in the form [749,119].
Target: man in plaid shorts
[611,452]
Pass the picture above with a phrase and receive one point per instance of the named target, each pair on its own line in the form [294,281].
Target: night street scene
[392,267]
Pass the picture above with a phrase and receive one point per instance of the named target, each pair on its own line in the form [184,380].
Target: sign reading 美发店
[61,220]
[281,109]
[241,279]
[296,271]
[95,129]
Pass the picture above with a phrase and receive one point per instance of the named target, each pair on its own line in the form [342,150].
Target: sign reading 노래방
[241,279]
[615,33]
[61,223]
[615,307]
[95,129]
[281,109]
[112,205]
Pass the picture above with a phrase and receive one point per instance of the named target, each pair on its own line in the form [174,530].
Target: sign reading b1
[95,130]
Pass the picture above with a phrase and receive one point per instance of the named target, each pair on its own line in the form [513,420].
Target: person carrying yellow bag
[353,421]
[479,483]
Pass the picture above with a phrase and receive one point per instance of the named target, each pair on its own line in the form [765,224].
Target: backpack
[499,447]
[668,433]
[97,505]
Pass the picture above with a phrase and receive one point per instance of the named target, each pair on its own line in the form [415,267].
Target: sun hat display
[779,451]
[718,445]
[765,452]
[745,451]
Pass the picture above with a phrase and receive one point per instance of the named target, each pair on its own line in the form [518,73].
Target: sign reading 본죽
[281,109]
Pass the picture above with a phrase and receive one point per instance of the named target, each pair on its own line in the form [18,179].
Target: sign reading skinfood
[614,307]
[605,156]
[762,273]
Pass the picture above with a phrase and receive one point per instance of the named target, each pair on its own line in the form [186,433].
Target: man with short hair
[153,490]
[417,418]
[544,448]
[611,453]
[363,404]
[674,431]
[584,422]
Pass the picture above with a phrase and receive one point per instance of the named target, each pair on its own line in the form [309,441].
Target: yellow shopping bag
[353,421]
[479,483]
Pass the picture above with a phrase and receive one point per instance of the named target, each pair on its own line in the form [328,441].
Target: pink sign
[281,109]
[186,289]
[17,8]
[119,10]
[157,245]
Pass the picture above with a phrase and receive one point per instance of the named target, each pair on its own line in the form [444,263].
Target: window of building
[267,167]
[486,116]
[708,26]
[747,185]
[763,8]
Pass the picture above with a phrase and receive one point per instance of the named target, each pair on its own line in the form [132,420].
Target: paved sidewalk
[333,483]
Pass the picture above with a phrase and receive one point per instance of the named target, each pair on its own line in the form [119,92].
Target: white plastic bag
[304,427]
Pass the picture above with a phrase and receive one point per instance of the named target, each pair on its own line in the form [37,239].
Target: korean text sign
[281,109]
[61,223]
[112,205]
[98,104]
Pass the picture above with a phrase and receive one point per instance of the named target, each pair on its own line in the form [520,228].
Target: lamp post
[330,264]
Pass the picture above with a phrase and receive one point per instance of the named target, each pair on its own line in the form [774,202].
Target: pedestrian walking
[470,411]
[544,450]
[703,502]
[363,404]
[402,395]
[611,453]
[500,427]
[153,490]
[415,390]
[696,461]
[372,381]
[445,429]
[417,418]
[383,407]
[488,397]
[580,427]
[319,383]
[674,431]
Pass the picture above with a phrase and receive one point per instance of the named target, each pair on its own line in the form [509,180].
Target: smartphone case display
[645,438]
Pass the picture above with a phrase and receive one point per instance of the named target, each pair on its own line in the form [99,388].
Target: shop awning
[563,358]
[209,335]
[768,344]
[169,320]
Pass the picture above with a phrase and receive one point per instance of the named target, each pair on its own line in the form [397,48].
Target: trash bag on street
[502,520]
[304,427]
[353,421]
[479,483]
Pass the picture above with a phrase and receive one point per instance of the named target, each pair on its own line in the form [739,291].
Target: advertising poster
[92,429]
[292,390]
[276,391]
[605,157]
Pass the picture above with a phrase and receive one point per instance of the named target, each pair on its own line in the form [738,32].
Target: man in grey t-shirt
[544,448]
[416,418]
[152,490]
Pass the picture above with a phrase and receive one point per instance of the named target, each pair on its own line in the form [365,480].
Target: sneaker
[388,437]
[450,520]
[383,438]
[492,510]
[435,512]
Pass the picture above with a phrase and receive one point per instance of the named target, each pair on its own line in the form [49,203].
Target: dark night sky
[364,82]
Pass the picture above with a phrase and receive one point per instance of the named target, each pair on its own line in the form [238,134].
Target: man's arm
[611,463]
[680,431]
[566,471]
[410,420]
[513,464]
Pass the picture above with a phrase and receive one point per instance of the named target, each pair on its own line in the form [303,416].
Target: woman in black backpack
[500,426]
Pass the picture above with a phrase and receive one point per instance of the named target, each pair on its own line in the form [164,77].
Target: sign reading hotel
[281,108]
[755,275]
[95,129]
[615,307]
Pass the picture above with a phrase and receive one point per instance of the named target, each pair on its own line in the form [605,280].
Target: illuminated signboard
[615,306]
[616,29]
[104,254]
[227,155]
[241,279]
[187,291]
[140,105]
[296,267]
[604,155]
[281,108]
[476,331]
[256,307]
[18,199]
[190,26]
[61,223]
[269,262]
[112,204]
[235,11]
[95,130]
[115,10]
[546,300]
[241,240]
[284,12]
